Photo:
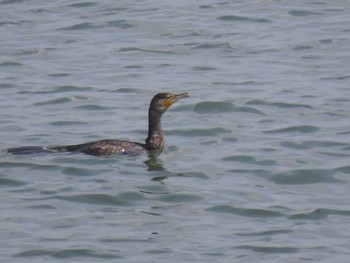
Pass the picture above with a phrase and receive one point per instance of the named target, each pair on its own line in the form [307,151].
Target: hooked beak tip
[181,96]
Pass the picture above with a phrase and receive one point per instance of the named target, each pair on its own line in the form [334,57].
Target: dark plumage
[155,140]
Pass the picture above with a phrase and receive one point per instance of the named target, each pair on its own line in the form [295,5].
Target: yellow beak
[172,98]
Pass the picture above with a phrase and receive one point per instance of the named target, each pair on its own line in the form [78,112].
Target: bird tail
[30,150]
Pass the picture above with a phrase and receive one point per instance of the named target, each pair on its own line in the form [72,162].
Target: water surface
[256,163]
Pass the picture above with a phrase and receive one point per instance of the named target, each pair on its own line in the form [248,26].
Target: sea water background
[256,166]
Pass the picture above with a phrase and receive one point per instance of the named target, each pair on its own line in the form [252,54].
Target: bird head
[162,101]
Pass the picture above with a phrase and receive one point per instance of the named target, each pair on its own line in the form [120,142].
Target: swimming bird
[155,140]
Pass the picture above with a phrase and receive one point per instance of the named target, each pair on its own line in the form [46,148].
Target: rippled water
[256,164]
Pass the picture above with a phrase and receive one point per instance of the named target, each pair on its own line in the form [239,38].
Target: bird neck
[155,134]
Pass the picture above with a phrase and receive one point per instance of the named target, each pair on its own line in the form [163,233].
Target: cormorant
[155,140]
